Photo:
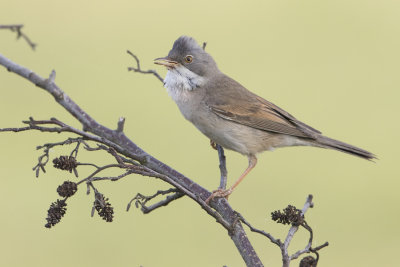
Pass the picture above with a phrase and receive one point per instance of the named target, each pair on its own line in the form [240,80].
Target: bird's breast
[180,82]
[184,87]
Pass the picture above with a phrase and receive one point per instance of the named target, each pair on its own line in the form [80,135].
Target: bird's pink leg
[226,192]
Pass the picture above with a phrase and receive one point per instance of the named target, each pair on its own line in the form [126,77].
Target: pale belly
[240,138]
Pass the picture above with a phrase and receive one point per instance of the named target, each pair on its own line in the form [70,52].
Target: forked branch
[20,34]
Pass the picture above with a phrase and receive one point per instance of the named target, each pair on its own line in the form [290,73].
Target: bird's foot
[213,144]
[219,193]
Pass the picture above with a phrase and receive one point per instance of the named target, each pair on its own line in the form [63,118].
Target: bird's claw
[219,193]
[213,144]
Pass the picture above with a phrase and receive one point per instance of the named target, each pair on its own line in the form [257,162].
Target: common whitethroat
[232,116]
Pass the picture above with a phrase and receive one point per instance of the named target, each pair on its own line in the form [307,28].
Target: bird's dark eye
[189,59]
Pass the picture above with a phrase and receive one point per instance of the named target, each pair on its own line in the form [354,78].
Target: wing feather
[231,101]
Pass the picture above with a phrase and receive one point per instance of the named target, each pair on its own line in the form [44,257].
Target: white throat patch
[179,81]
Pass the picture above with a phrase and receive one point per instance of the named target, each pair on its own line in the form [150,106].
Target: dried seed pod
[67,189]
[65,163]
[55,213]
[103,207]
[290,215]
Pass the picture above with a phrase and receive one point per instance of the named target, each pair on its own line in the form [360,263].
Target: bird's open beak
[165,61]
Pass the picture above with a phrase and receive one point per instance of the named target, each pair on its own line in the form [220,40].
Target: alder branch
[20,34]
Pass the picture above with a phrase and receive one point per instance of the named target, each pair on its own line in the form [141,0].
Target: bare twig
[42,161]
[87,164]
[18,29]
[320,247]
[105,148]
[162,203]
[89,179]
[268,235]
[110,178]
[222,167]
[16,129]
[222,164]
[284,249]
[138,69]
[315,250]
[309,248]
[141,200]
[74,153]
[121,124]
[293,229]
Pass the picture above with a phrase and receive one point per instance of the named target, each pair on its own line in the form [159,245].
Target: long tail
[343,147]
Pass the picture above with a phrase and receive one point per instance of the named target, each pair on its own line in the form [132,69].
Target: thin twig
[141,199]
[111,178]
[284,247]
[18,29]
[138,69]
[74,153]
[65,142]
[162,203]
[294,229]
[308,247]
[121,124]
[253,229]
[16,130]
[320,247]
[222,167]
[105,148]
[87,164]
[42,161]
[89,178]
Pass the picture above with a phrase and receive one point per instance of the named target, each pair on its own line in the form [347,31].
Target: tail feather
[346,148]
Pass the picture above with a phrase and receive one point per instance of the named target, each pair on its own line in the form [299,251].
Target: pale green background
[334,64]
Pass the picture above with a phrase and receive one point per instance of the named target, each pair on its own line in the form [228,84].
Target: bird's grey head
[186,52]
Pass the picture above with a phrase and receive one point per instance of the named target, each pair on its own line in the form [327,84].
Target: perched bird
[232,116]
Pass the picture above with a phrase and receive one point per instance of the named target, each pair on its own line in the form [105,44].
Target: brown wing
[231,101]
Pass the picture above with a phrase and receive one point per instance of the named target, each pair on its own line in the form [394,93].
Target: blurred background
[332,64]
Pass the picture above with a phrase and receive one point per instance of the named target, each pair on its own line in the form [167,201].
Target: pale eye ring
[189,59]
